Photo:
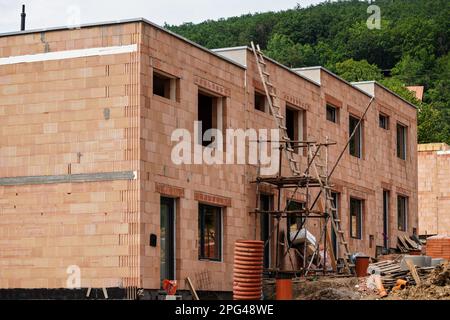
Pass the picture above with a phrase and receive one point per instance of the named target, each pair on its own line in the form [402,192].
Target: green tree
[430,127]
[399,87]
[352,70]
[284,50]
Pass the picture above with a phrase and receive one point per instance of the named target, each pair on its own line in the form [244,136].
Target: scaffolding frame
[311,179]
[307,181]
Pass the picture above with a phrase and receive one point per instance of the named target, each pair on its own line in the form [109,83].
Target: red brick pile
[439,246]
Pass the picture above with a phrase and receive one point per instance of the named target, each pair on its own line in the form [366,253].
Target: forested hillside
[410,48]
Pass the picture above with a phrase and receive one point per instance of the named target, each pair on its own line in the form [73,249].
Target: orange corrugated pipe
[248,267]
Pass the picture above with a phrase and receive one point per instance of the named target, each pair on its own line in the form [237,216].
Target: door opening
[266,226]
[385,219]
[167,239]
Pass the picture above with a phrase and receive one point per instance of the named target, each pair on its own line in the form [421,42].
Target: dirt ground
[435,287]
[321,288]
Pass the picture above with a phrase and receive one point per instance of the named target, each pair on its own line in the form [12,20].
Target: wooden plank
[411,243]
[331,253]
[381,263]
[413,270]
[191,287]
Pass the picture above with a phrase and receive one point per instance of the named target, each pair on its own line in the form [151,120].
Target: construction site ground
[435,287]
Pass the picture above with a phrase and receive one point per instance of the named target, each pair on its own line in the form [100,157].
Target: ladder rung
[266,73]
[340,231]
[269,83]
[282,127]
[337,220]
[293,160]
[279,116]
[286,138]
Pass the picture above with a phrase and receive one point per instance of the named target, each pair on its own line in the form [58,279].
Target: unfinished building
[86,175]
[434,189]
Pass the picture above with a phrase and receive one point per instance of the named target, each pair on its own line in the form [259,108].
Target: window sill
[164,99]
[210,260]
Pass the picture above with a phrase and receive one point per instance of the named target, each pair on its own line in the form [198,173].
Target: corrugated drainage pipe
[248,268]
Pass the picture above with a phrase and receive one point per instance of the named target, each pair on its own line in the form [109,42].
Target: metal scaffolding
[314,180]
[315,177]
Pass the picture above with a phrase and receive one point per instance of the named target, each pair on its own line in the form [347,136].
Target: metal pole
[277,262]
[22,18]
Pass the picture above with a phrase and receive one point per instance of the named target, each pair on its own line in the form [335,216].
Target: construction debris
[391,285]
[408,244]
[435,286]
[392,270]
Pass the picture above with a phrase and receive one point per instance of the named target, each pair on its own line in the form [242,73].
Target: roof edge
[123,21]
[287,69]
[387,89]
[230,48]
[344,81]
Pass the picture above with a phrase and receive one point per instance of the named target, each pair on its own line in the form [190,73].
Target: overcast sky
[55,13]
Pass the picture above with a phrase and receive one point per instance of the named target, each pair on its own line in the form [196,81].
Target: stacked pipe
[248,268]
[438,247]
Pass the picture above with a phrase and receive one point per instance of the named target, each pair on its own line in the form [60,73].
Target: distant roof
[433,147]
[417,90]
[115,22]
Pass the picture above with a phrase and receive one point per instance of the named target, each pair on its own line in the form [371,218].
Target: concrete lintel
[68,178]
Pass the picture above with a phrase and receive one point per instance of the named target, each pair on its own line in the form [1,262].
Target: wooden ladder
[322,176]
[275,109]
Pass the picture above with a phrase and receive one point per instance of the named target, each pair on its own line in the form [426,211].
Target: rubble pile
[436,286]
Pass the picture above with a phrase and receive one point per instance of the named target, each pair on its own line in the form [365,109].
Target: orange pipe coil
[248,268]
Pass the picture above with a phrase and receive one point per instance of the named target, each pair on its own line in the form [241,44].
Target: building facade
[434,189]
[88,181]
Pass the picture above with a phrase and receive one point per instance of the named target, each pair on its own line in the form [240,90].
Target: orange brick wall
[52,120]
[221,185]
[434,190]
